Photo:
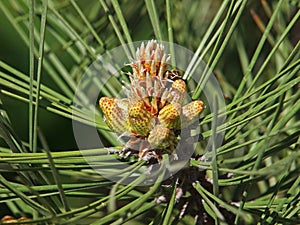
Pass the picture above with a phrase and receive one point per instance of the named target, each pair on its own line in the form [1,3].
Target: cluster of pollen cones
[152,114]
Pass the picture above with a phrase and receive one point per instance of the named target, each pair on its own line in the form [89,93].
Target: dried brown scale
[12,220]
[191,204]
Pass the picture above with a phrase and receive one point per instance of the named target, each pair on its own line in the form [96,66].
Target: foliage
[253,49]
